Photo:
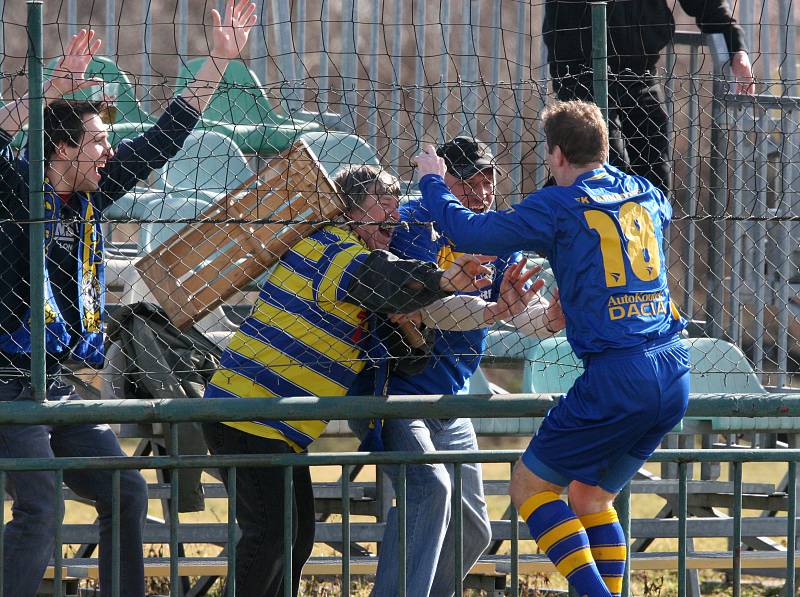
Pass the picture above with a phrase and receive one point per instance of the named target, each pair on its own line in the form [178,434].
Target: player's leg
[595,508]
[555,527]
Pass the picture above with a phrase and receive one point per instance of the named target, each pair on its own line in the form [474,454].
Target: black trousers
[637,122]
[260,513]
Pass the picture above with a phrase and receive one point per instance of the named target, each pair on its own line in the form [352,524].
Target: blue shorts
[614,417]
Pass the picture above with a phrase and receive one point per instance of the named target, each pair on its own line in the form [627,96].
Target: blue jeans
[430,541]
[29,536]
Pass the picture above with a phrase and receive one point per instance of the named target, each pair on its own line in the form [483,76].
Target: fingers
[246,15]
[554,295]
[535,287]
[228,18]
[216,19]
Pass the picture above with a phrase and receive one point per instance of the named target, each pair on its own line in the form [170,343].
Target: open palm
[232,30]
[68,75]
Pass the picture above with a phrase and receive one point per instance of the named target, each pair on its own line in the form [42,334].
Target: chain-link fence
[198,214]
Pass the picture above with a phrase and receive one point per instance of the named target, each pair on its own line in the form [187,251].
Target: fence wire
[236,222]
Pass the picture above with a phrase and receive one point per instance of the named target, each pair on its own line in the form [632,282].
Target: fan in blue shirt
[455,356]
[602,231]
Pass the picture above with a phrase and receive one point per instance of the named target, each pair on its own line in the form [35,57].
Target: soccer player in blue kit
[602,231]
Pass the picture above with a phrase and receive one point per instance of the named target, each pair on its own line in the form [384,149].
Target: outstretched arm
[230,33]
[527,226]
[67,77]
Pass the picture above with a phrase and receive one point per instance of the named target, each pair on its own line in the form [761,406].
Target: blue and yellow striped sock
[609,547]
[560,534]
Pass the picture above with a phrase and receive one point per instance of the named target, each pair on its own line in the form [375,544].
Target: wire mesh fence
[370,84]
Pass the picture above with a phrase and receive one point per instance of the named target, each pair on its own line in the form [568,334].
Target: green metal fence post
[458,531]
[36,198]
[401,531]
[230,582]
[58,588]
[346,530]
[115,563]
[600,57]
[174,520]
[791,530]
[622,504]
[682,526]
[288,523]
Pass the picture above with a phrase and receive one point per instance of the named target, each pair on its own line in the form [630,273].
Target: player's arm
[527,226]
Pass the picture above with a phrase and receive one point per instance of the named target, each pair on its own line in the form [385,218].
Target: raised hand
[68,75]
[429,163]
[554,315]
[230,32]
[514,296]
[467,274]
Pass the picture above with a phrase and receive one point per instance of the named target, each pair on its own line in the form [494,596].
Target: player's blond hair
[579,129]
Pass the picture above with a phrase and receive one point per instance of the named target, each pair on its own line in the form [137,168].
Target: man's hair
[63,123]
[579,129]
[356,183]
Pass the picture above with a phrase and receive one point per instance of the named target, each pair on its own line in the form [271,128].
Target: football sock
[559,533]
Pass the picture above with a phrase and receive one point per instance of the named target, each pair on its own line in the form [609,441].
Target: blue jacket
[134,160]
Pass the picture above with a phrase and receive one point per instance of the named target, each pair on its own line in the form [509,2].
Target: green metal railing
[400,407]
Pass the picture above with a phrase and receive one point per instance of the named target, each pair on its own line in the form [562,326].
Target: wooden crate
[207,262]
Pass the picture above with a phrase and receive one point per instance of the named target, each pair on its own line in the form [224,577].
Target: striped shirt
[301,338]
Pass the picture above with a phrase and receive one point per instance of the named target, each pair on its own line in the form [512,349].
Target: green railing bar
[737,529]
[174,549]
[346,530]
[457,520]
[288,518]
[514,544]
[36,197]
[59,510]
[356,458]
[622,504]
[231,547]
[115,556]
[369,407]
[682,527]
[600,57]
[791,530]
[401,531]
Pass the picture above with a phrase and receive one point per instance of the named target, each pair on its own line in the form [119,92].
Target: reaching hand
[743,71]
[68,75]
[429,163]
[463,275]
[554,315]
[231,31]
[514,297]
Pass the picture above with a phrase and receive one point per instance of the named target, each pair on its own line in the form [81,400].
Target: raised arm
[230,33]
[67,77]
[527,226]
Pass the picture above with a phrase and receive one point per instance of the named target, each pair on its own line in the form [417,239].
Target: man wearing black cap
[455,357]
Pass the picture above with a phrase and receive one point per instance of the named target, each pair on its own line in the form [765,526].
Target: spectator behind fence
[309,334]
[83,176]
[638,30]
[457,351]
[603,232]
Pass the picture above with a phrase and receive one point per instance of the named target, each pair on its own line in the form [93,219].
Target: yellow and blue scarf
[90,277]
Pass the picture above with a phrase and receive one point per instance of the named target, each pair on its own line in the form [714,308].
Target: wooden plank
[207,262]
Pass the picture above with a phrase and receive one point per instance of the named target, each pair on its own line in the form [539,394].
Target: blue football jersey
[603,237]
[455,355]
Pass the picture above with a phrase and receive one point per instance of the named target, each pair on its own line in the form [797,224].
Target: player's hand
[743,72]
[429,163]
[68,75]
[401,318]
[230,31]
[554,315]
[514,296]
[467,274]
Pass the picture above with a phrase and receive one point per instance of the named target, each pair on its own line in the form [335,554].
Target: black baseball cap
[466,156]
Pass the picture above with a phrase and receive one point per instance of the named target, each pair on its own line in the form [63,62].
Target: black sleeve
[136,158]
[405,359]
[716,16]
[386,284]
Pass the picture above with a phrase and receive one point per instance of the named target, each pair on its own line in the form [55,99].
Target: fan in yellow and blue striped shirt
[300,339]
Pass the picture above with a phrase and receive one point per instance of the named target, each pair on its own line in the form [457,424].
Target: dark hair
[63,123]
[579,129]
[356,183]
